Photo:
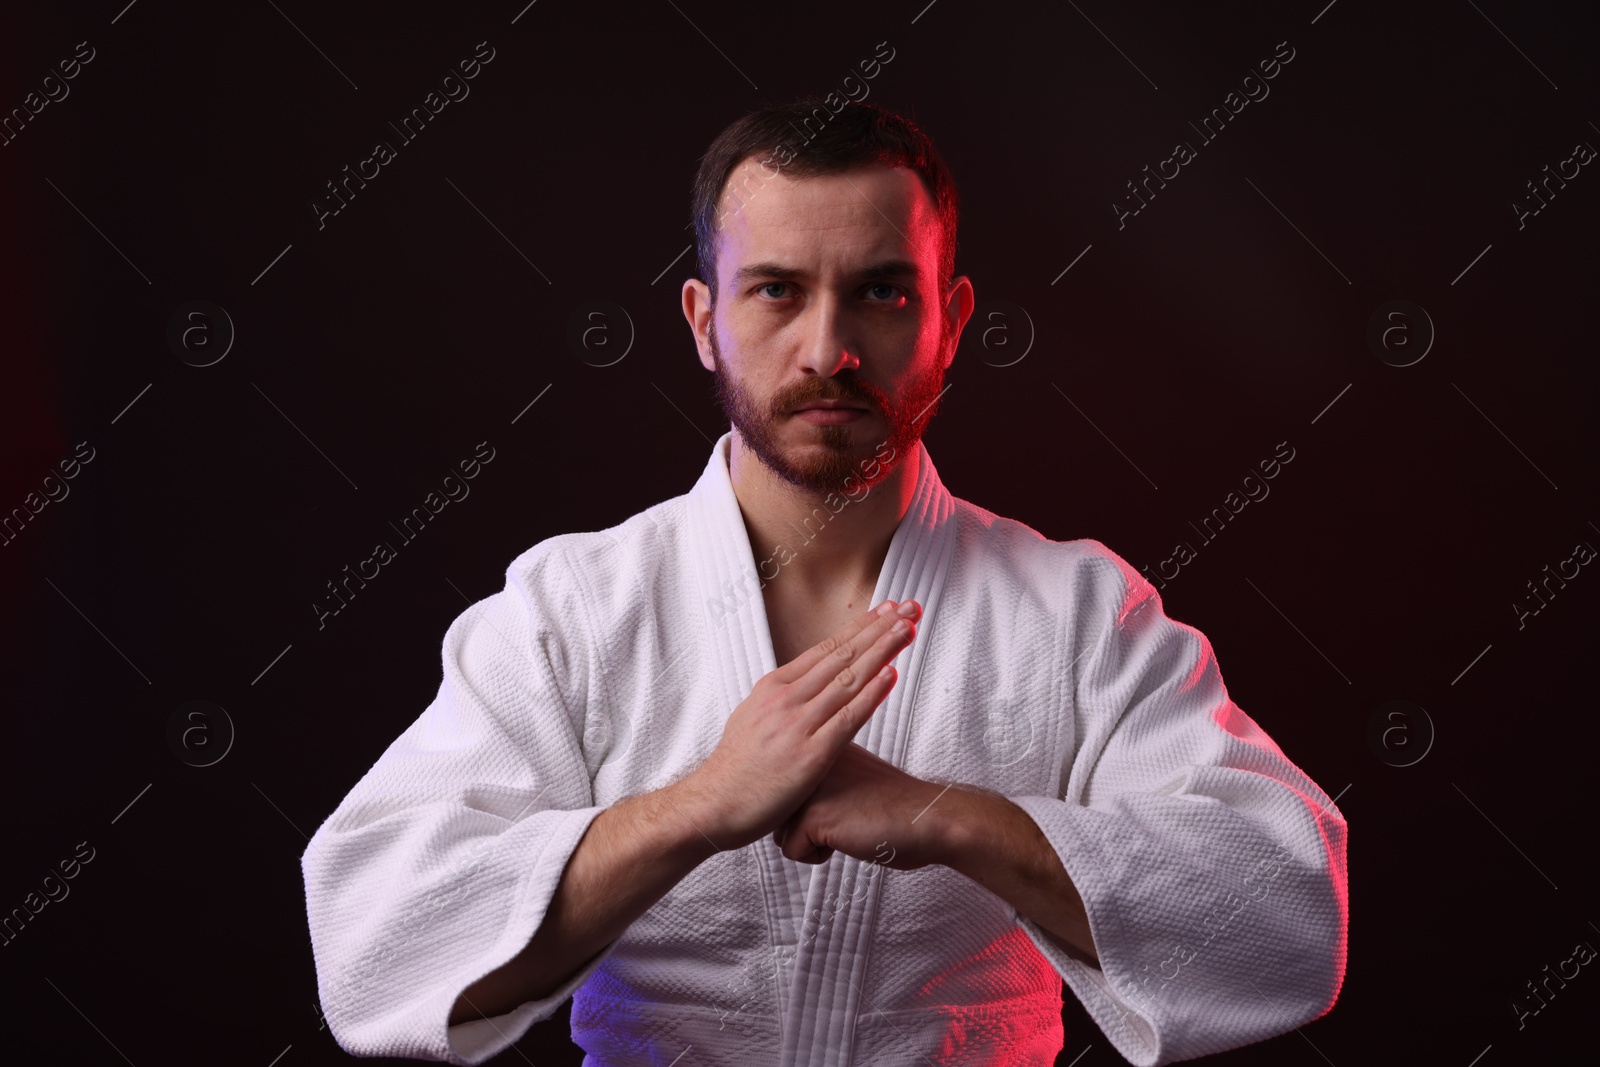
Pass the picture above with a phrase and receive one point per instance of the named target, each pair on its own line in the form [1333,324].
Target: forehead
[825,220]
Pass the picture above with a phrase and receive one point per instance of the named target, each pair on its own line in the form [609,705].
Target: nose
[827,349]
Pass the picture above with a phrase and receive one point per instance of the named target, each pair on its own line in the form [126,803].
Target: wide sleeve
[439,865]
[1212,869]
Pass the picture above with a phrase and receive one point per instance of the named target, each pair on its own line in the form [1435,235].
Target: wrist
[954,828]
[690,814]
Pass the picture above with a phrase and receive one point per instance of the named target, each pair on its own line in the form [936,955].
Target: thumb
[796,844]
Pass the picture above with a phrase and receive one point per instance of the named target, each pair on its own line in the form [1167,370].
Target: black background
[373,353]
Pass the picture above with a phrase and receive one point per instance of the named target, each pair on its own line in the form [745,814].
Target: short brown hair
[859,134]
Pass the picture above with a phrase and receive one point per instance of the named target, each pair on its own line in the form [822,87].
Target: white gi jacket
[1211,867]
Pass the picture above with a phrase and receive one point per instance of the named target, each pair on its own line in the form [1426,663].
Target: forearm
[629,857]
[996,844]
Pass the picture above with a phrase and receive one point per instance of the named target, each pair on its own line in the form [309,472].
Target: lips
[831,405]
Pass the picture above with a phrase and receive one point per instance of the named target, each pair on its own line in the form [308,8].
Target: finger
[839,677]
[802,850]
[797,667]
[840,727]
[837,652]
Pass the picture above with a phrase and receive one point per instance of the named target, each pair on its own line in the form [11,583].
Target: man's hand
[782,739]
[868,808]
[872,810]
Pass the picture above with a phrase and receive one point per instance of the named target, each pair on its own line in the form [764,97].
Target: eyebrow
[888,268]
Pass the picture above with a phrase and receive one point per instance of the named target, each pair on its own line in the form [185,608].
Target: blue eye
[769,285]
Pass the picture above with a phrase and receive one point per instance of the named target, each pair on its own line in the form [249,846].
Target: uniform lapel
[821,917]
[841,905]
[741,653]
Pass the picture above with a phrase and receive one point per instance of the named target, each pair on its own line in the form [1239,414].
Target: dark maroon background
[1176,353]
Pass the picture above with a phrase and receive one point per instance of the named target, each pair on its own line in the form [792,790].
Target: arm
[439,864]
[1190,884]
[631,855]
[996,844]
[437,871]
[635,852]
[1211,868]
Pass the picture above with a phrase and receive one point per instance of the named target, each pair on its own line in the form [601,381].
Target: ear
[959,305]
[698,309]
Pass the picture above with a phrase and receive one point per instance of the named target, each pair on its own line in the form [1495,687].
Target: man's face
[829,291]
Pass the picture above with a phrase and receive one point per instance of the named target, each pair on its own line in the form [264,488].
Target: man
[680,772]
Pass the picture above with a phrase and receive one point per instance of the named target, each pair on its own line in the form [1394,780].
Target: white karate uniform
[1211,867]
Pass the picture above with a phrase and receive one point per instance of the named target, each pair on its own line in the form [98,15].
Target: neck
[817,542]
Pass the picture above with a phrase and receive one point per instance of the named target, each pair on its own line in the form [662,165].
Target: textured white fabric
[1211,867]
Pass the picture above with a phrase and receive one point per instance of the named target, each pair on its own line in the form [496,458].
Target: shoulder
[598,571]
[569,598]
[1083,572]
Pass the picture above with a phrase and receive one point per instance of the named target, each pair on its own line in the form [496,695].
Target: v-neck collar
[819,989]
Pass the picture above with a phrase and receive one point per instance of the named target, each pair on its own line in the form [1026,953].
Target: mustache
[827,389]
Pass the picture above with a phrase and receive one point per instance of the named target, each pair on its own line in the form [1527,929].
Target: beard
[837,460]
